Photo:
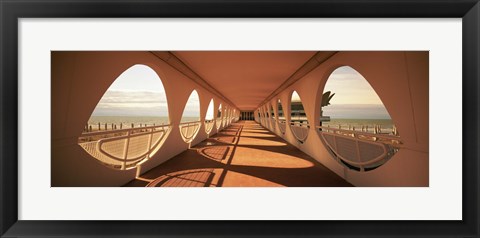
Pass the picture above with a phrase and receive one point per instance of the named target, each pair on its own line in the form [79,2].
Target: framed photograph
[312,118]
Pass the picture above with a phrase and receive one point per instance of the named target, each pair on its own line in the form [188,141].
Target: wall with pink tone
[401,81]
[79,80]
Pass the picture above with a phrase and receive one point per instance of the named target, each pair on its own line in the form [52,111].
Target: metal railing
[282,124]
[272,123]
[376,129]
[383,138]
[268,123]
[219,122]
[300,130]
[209,125]
[123,149]
[359,150]
[189,130]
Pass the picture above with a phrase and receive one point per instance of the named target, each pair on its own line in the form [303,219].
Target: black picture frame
[11,11]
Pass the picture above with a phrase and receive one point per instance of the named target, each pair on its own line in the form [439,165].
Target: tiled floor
[242,155]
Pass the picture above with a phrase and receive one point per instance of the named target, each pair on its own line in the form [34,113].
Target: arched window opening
[281,117]
[209,117]
[130,122]
[224,116]
[268,111]
[272,116]
[264,117]
[354,124]
[190,122]
[272,112]
[298,118]
[259,115]
[219,116]
[229,116]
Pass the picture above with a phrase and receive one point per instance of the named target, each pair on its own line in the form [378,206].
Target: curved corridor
[186,118]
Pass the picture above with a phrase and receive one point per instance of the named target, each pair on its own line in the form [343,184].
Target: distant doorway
[247,116]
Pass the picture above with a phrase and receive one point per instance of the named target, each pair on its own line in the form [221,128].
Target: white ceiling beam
[306,68]
[169,58]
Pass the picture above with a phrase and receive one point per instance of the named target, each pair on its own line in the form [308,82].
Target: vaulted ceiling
[245,78]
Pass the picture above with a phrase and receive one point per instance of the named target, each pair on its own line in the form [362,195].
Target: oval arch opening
[130,122]
[298,118]
[209,117]
[281,116]
[219,116]
[355,126]
[190,122]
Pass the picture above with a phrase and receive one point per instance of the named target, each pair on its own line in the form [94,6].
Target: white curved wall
[401,81]
[79,79]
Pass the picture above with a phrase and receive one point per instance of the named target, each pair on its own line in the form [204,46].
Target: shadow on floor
[221,161]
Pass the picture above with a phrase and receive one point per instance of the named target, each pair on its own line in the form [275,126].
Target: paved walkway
[243,155]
